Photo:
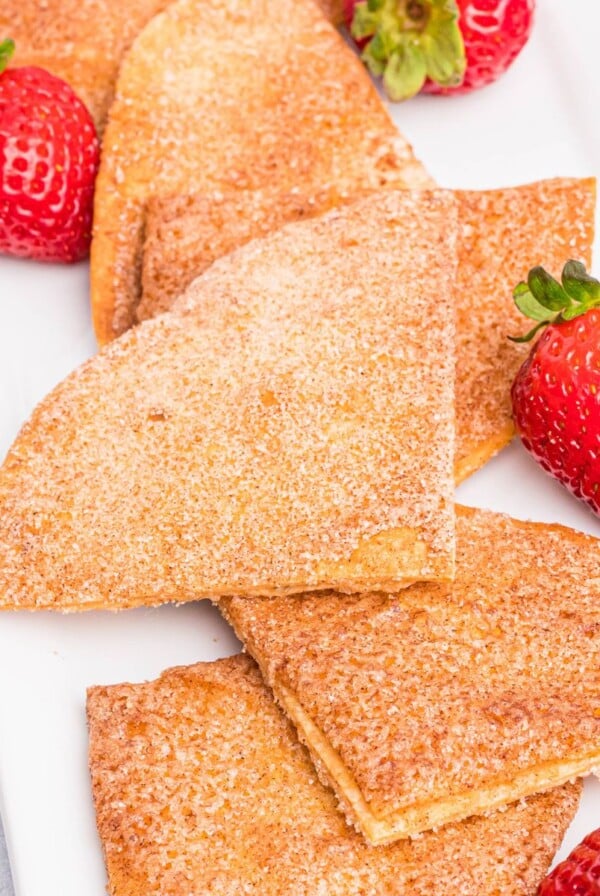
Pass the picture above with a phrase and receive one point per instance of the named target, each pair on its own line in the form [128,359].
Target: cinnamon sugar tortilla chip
[240,100]
[200,786]
[83,41]
[184,235]
[503,233]
[80,41]
[287,427]
[445,701]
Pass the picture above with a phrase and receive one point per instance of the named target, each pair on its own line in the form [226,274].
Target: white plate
[540,120]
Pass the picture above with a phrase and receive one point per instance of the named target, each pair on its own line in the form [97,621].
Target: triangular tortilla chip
[83,43]
[288,427]
[231,94]
[184,235]
[444,702]
[200,786]
[503,233]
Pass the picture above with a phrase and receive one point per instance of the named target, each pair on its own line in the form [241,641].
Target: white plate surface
[540,120]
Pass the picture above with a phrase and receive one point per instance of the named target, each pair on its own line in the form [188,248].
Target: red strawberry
[556,394]
[49,155]
[494,32]
[579,875]
[439,46]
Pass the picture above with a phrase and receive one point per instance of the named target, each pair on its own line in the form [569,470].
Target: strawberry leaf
[377,53]
[529,305]
[405,72]
[365,21]
[7,48]
[573,311]
[578,284]
[546,290]
[374,58]
[529,336]
[444,48]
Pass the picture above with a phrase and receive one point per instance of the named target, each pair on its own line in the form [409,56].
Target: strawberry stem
[410,41]
[543,299]
[7,48]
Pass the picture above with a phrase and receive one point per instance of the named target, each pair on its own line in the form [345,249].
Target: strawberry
[494,33]
[438,46]
[579,875]
[556,394]
[49,155]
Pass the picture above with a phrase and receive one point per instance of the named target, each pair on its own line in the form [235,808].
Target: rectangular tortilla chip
[287,427]
[245,102]
[445,701]
[201,787]
[502,234]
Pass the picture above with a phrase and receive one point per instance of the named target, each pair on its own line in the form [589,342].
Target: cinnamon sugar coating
[200,787]
[332,9]
[80,41]
[442,701]
[83,41]
[241,100]
[503,233]
[184,235]
[287,427]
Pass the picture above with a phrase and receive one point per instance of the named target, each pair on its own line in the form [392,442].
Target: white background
[540,120]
